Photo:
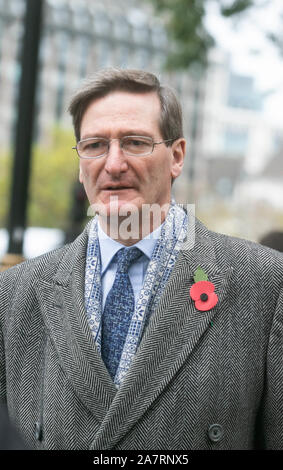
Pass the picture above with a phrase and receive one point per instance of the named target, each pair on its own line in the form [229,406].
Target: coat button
[38,431]
[215,432]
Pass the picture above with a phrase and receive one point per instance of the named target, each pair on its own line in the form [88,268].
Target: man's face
[133,180]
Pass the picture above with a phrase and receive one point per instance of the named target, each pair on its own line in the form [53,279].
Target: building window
[242,93]
[236,141]
[83,55]
[102,25]
[63,43]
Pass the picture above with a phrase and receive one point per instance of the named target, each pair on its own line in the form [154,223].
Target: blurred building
[230,143]
[266,187]
[235,130]
[78,38]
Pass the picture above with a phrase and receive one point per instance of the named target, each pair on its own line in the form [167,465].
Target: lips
[115,188]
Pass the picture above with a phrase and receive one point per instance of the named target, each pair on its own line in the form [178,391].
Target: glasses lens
[135,145]
[91,148]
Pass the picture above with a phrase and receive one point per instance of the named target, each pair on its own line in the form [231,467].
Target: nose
[116,162]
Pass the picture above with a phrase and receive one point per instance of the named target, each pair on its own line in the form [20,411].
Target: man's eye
[134,142]
[137,142]
[95,145]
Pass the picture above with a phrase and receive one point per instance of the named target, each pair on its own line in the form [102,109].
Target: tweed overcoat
[199,380]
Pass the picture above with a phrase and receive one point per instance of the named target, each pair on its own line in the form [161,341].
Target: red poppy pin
[202,292]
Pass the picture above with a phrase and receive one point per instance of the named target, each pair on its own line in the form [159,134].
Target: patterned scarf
[163,259]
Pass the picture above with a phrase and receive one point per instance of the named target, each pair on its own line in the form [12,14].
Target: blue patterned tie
[118,310]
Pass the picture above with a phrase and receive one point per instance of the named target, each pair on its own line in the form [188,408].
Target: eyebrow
[121,134]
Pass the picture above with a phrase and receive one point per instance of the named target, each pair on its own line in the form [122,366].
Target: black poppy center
[204,297]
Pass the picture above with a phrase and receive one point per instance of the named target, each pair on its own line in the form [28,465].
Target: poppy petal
[201,287]
[208,304]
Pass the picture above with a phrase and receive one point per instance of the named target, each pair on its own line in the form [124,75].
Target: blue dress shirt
[108,249]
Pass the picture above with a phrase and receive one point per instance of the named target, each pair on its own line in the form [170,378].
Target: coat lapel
[61,302]
[172,334]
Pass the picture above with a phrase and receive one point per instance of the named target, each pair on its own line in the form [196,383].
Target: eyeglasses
[134,146]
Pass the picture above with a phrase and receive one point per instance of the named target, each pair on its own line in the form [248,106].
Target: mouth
[116,188]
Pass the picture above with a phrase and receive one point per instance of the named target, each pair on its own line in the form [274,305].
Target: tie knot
[125,257]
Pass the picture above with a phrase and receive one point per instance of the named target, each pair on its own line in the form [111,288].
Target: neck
[130,230]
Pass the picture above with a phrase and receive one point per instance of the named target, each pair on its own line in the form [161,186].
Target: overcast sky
[251,53]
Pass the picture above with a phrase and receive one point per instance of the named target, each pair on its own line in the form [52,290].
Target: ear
[178,155]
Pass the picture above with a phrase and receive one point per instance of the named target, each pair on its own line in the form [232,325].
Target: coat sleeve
[2,345]
[2,371]
[8,282]
[272,423]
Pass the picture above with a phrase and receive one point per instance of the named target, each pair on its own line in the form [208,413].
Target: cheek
[153,171]
[162,173]
[82,170]
[81,178]
[88,171]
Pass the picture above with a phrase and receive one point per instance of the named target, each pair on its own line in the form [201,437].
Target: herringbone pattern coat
[192,370]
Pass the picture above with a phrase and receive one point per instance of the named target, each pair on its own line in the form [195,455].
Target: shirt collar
[109,247]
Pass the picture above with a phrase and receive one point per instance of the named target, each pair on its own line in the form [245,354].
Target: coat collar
[172,333]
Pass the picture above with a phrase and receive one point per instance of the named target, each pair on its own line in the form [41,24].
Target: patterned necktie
[118,311]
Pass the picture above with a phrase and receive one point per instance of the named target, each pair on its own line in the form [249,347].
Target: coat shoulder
[21,277]
[45,266]
[32,268]
[248,257]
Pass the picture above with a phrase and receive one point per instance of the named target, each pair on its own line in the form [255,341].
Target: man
[148,331]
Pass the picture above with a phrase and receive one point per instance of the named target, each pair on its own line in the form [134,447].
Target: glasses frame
[120,139]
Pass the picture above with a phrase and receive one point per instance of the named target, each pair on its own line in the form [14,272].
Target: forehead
[121,112]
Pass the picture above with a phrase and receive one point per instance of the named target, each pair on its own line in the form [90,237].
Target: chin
[116,206]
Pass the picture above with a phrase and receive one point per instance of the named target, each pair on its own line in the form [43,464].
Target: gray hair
[133,81]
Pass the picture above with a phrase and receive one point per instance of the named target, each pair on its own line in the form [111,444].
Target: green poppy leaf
[200,275]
